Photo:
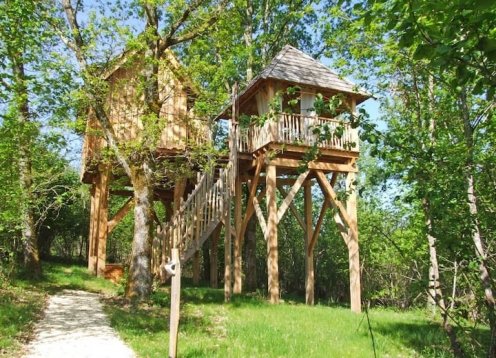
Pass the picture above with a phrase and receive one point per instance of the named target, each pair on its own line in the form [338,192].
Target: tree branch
[169,40]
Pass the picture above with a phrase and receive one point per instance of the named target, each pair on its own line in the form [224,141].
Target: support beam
[331,195]
[293,208]
[346,218]
[214,267]
[93,231]
[227,247]
[325,206]
[353,251]
[272,248]
[316,231]
[196,268]
[238,240]
[179,188]
[260,217]
[292,192]
[121,213]
[327,167]
[102,187]
[253,191]
[309,265]
[256,199]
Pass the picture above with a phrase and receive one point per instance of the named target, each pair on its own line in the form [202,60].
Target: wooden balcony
[299,130]
[174,139]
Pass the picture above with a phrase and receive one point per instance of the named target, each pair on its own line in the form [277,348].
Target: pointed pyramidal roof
[293,65]
[296,67]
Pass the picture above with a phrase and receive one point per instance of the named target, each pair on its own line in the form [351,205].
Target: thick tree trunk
[251,254]
[140,278]
[28,221]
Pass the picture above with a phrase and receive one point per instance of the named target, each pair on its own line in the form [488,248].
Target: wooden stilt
[353,252]
[346,219]
[227,248]
[196,268]
[179,188]
[102,188]
[309,266]
[93,231]
[272,249]
[214,270]
[238,283]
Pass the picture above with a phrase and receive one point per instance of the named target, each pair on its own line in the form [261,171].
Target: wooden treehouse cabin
[274,124]
[178,129]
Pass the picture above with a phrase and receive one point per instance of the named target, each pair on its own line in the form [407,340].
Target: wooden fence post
[175,304]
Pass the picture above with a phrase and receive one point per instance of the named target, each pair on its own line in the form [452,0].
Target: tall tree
[23,38]
[166,24]
[405,50]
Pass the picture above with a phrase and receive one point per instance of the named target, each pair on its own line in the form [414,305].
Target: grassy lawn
[246,327]
[22,301]
[19,308]
[250,327]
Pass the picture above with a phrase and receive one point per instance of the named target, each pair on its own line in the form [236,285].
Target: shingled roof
[296,67]
[293,65]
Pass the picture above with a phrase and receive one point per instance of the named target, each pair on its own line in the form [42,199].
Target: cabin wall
[125,106]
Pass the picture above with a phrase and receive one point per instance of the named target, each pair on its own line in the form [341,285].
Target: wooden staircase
[205,208]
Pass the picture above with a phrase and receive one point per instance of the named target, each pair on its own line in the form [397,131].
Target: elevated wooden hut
[271,156]
[176,129]
[274,124]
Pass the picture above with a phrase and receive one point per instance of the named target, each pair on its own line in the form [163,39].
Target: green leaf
[423,51]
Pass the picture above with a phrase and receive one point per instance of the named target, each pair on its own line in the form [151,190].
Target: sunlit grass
[246,327]
[250,327]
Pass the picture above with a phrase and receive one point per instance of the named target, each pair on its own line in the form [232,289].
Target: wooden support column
[238,247]
[272,249]
[353,252]
[93,231]
[227,245]
[179,188]
[102,186]
[309,265]
[196,268]
[214,268]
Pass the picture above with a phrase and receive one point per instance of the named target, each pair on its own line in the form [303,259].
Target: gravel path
[75,326]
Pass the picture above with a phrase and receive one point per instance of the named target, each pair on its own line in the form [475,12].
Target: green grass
[22,301]
[246,327]
[250,327]
[19,308]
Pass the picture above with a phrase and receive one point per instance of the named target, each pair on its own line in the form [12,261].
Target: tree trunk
[28,221]
[251,254]
[140,278]
[248,37]
[434,296]
[477,238]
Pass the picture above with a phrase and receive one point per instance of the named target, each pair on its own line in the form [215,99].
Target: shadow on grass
[428,338]
[146,319]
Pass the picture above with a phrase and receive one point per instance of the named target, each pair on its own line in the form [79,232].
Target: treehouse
[292,127]
[176,129]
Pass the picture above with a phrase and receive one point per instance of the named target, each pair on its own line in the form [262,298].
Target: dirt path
[76,326]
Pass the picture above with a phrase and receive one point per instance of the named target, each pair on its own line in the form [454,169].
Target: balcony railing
[299,130]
